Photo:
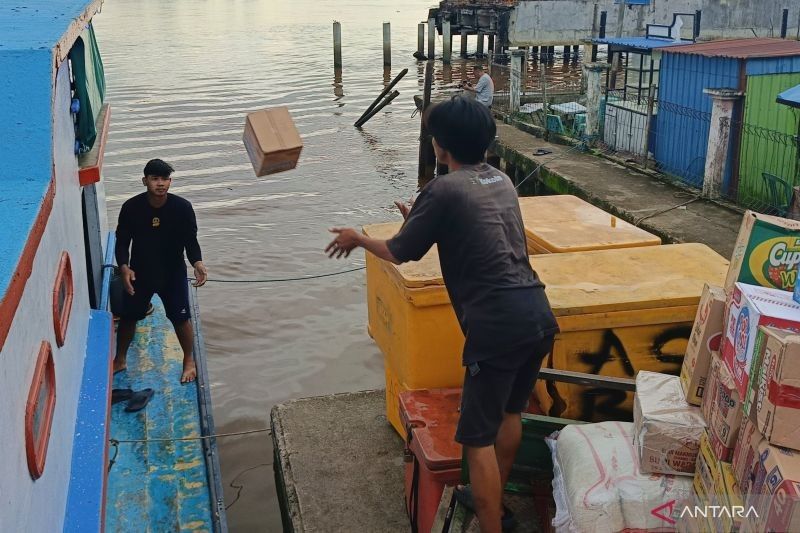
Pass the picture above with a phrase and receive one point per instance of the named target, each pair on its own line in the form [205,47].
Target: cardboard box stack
[749,456]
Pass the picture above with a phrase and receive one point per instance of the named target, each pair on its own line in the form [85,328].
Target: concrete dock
[638,198]
[339,464]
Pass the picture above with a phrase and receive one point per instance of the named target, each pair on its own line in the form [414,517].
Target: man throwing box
[472,214]
[161,226]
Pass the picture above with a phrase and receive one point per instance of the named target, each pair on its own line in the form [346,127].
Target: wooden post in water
[420,40]
[464,36]
[447,41]
[337,45]
[387,44]
[431,38]
[491,44]
[427,157]
[479,50]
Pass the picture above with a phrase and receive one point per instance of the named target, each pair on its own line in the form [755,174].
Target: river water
[181,76]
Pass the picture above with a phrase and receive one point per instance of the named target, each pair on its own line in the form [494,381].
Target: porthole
[62,298]
[39,410]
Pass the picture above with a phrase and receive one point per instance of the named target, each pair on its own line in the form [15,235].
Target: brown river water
[181,76]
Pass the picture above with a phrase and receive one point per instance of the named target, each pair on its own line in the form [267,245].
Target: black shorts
[174,293]
[492,389]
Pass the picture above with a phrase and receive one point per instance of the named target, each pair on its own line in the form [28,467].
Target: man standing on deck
[161,226]
[484,89]
[472,214]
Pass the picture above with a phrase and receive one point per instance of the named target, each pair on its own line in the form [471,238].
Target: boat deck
[162,485]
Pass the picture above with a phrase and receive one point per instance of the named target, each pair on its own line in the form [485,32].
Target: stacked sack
[742,367]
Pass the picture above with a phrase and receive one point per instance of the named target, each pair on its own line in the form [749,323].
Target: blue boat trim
[207,420]
[86,498]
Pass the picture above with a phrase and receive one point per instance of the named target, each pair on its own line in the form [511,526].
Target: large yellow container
[565,223]
[620,311]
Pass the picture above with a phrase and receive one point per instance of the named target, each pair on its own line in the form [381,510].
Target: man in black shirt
[161,226]
[472,214]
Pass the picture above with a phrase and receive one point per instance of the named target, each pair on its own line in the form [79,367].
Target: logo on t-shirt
[156,222]
[489,181]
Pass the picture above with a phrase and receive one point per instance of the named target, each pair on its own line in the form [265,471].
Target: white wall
[39,506]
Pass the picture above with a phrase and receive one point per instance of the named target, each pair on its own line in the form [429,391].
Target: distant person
[161,226]
[473,215]
[484,88]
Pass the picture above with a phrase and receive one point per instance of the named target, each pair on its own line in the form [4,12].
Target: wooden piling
[427,157]
[491,44]
[420,39]
[387,44]
[337,45]
[431,38]
[464,36]
[479,50]
[447,41]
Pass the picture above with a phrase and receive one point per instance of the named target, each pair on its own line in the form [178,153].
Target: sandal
[120,395]
[463,494]
[139,400]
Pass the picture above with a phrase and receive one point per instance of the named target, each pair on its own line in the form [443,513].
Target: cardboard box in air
[722,409]
[767,253]
[751,307]
[272,141]
[667,429]
[706,337]
[775,493]
[773,397]
[745,455]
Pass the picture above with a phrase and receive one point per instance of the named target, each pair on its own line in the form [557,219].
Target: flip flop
[464,497]
[120,370]
[542,151]
[139,400]
[120,395]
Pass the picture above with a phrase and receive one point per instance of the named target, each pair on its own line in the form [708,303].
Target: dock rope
[273,280]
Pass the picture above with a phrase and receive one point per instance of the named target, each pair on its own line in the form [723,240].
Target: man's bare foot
[189,371]
[120,364]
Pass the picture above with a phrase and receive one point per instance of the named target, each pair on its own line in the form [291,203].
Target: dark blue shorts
[493,387]
[174,292]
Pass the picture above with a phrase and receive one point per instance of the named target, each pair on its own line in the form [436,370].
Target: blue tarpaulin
[790,97]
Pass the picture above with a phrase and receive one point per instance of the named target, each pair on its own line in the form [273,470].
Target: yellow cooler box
[565,223]
[620,311]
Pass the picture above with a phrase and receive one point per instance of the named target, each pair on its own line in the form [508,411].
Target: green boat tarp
[90,86]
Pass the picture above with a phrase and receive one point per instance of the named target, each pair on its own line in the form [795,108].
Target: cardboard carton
[773,397]
[706,337]
[722,409]
[667,429]
[708,469]
[729,495]
[751,307]
[767,252]
[775,494]
[272,141]
[745,455]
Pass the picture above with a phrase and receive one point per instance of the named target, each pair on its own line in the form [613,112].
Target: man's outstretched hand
[347,239]
[405,209]
[200,274]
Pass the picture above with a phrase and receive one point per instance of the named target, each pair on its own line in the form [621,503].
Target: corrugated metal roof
[790,97]
[742,48]
[639,43]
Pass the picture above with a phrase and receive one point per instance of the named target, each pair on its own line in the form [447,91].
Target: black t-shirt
[473,216]
[159,237]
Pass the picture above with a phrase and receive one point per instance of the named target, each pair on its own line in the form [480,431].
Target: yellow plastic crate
[620,311]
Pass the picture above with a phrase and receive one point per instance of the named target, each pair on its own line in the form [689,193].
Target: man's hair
[478,67]
[157,167]
[463,127]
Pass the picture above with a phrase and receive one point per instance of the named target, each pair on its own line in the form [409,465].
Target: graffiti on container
[600,403]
